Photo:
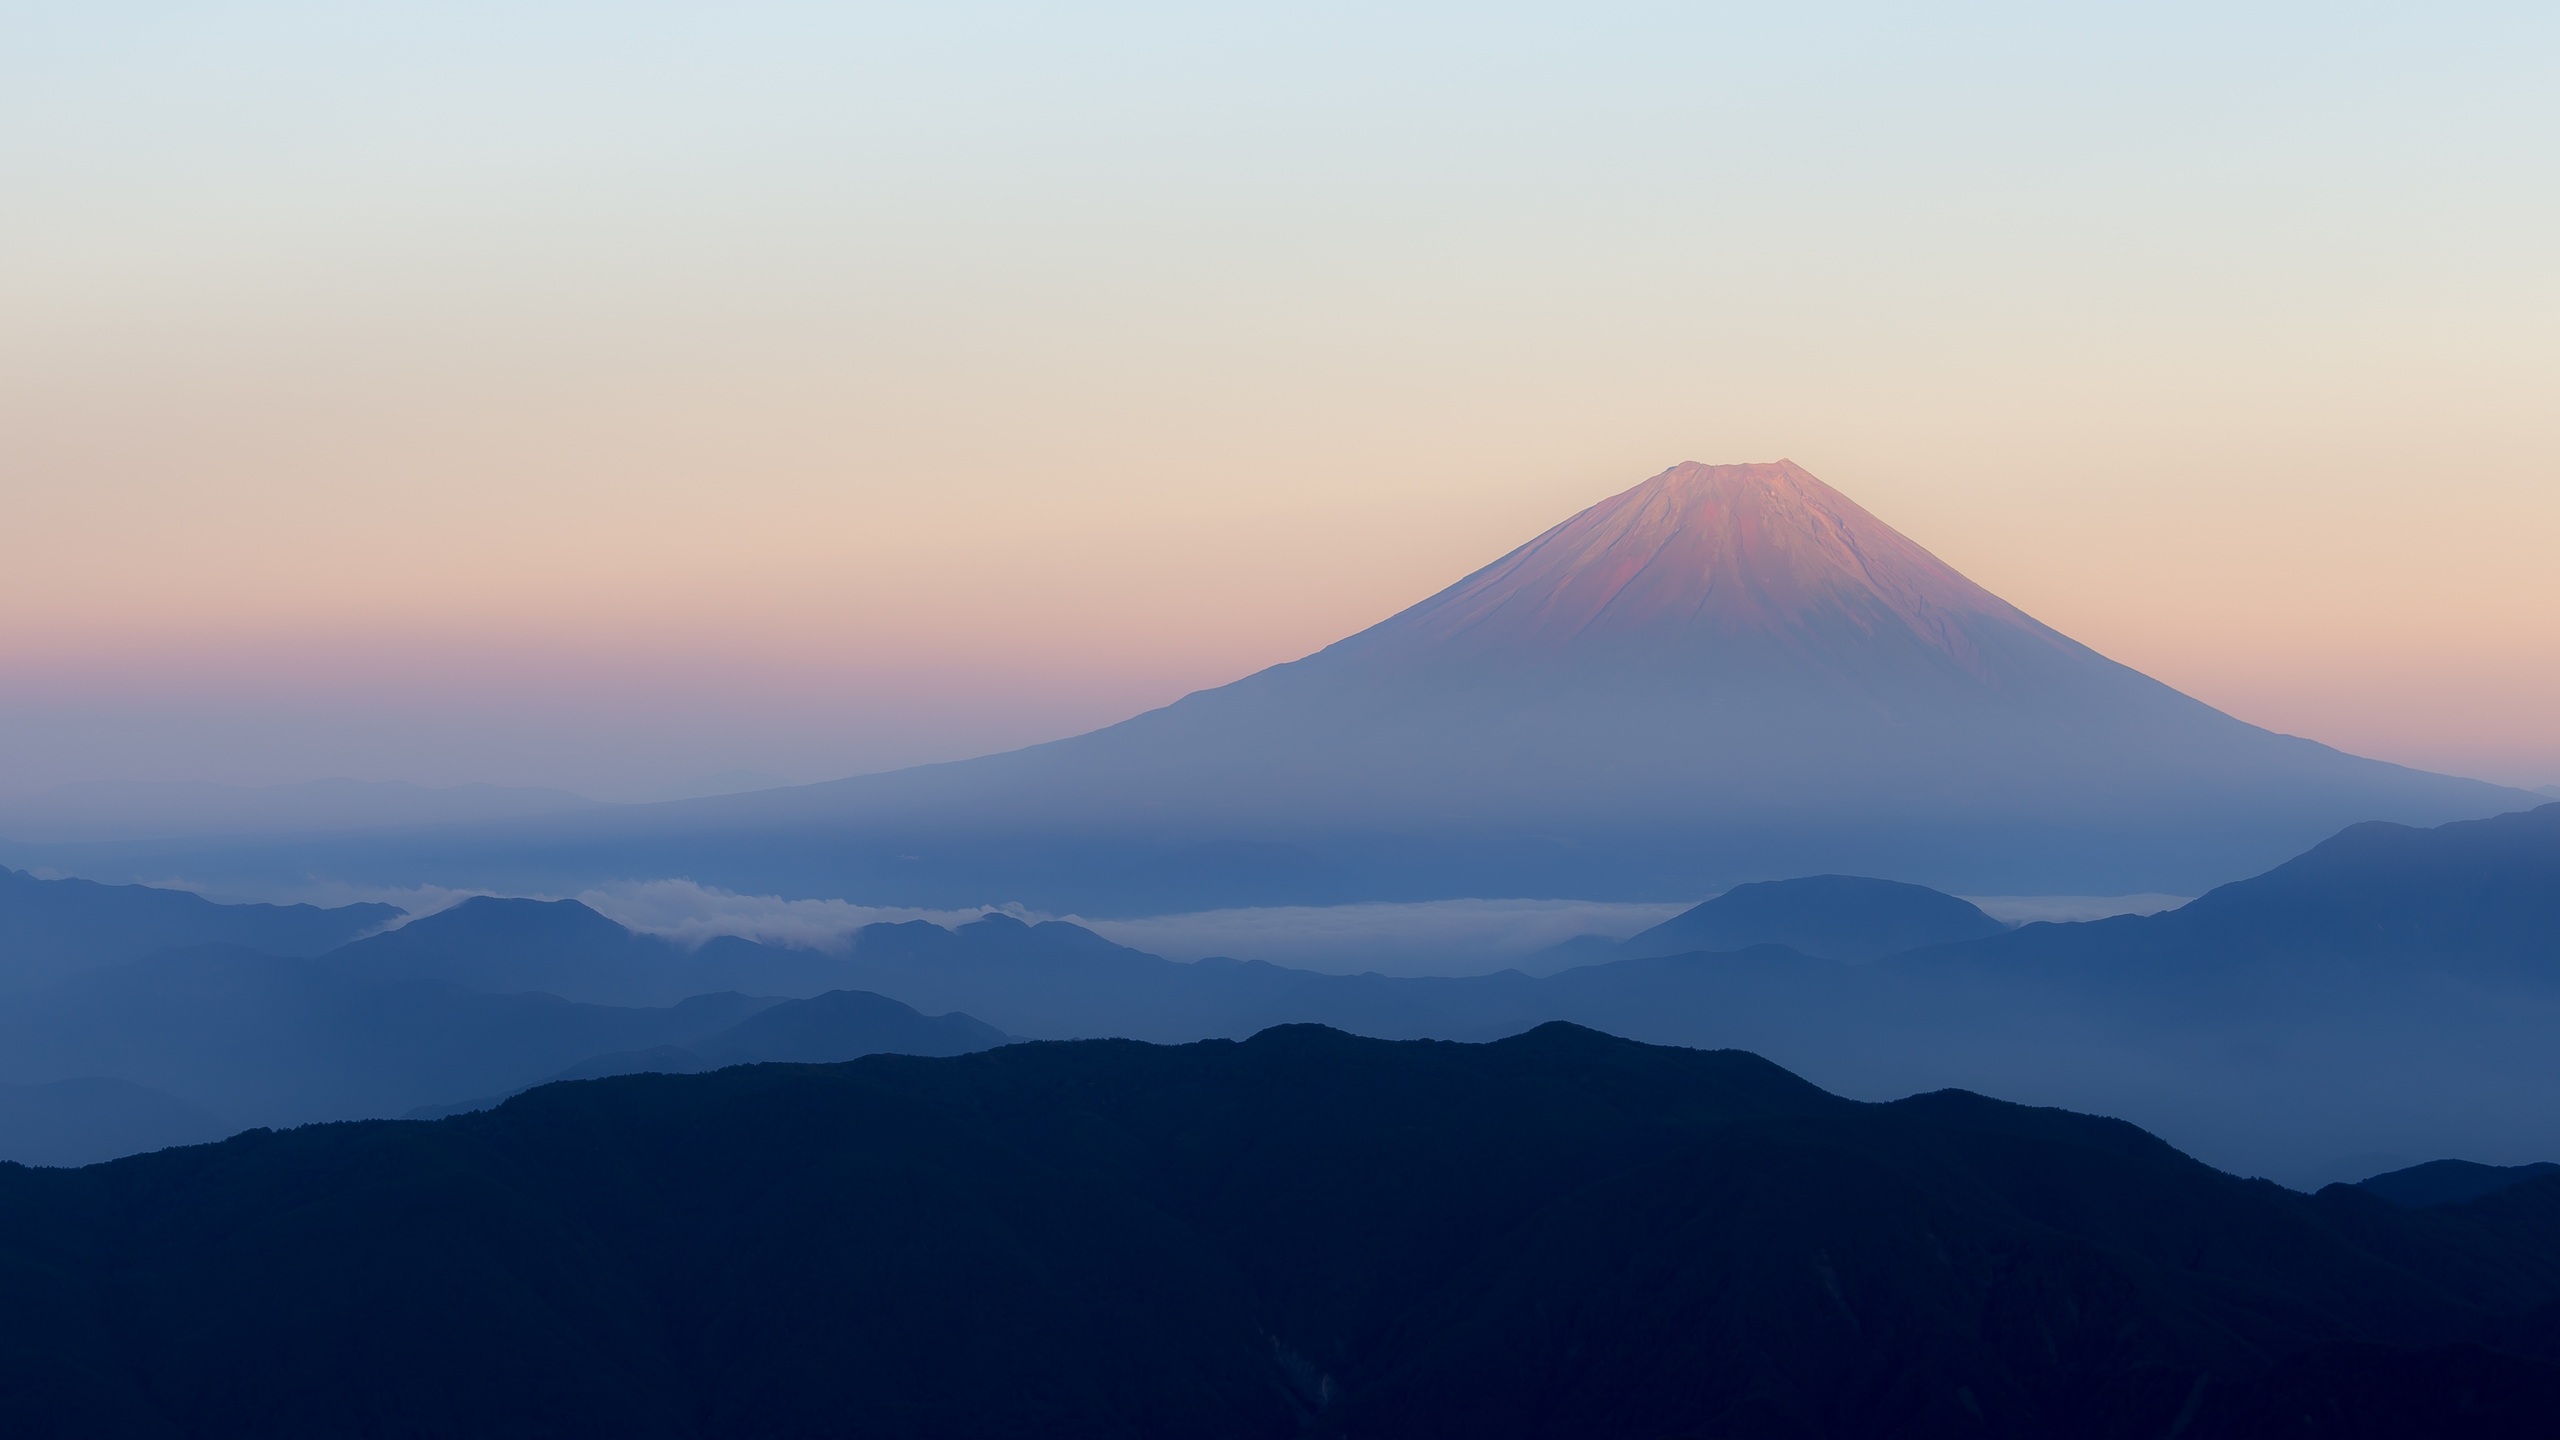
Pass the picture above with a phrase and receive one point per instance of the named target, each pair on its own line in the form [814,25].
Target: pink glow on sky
[514,396]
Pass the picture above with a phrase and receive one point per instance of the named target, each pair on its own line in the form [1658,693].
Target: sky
[604,396]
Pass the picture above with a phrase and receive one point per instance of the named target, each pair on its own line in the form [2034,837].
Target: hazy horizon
[1145,720]
[604,400]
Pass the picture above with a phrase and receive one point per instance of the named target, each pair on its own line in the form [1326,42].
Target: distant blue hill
[2452,1182]
[2479,897]
[48,927]
[1829,917]
[133,1018]
[2392,989]
[260,1040]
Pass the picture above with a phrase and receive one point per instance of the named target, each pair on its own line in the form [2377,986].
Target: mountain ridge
[1300,1234]
[50,927]
[2360,1000]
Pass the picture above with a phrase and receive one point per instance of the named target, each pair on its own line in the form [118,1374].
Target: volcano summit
[1727,673]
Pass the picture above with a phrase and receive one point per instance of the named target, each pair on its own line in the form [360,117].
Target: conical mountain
[1727,673]
[1682,565]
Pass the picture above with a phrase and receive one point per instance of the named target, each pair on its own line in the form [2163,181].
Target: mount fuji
[1727,673]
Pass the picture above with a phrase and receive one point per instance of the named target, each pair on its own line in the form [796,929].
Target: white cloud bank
[683,910]
[1438,937]
[1435,937]
[1442,937]
[2027,909]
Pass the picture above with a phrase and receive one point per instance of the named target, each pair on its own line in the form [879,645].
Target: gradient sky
[607,395]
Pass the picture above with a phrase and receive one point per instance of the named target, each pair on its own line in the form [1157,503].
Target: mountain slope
[2478,897]
[1724,674]
[1726,665]
[564,948]
[844,1025]
[265,1041]
[1728,673]
[2394,990]
[1831,917]
[52,927]
[2281,1026]
[2451,1182]
[821,1030]
[556,947]
[83,1121]
[1305,1234]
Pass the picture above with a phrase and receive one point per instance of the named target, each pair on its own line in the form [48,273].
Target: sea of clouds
[1439,937]
[2028,909]
[1434,937]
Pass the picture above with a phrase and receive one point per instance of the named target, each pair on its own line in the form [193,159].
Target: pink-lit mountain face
[1697,555]
[1734,641]
[1727,673]
[1751,586]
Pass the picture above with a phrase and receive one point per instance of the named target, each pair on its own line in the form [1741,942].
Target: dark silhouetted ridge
[1304,1234]
[93,1118]
[2450,1182]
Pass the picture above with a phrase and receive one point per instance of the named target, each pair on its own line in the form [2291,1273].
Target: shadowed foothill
[2452,1182]
[1302,1234]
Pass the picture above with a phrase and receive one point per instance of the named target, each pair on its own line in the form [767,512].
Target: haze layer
[490,395]
[1726,673]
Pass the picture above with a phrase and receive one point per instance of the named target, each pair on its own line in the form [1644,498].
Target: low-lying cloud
[1435,937]
[691,913]
[2028,909]
[1441,937]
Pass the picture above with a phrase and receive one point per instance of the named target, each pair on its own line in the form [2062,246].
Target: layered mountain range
[1726,674]
[1305,1233]
[2387,996]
